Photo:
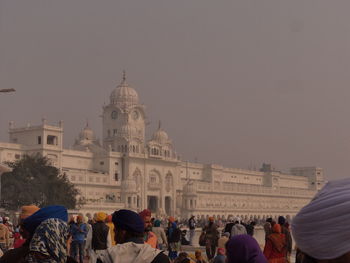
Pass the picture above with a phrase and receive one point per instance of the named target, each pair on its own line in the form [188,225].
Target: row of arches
[131,148]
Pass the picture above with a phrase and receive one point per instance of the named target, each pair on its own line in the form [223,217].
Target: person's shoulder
[161,258]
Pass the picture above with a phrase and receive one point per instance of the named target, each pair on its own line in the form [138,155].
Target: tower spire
[124,76]
[159,124]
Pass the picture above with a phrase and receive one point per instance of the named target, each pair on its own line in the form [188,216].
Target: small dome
[129,185]
[160,135]
[124,95]
[87,134]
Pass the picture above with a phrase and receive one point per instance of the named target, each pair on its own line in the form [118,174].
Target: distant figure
[199,257]
[275,249]
[99,239]
[174,238]
[244,249]
[220,257]
[238,228]
[149,238]
[182,258]
[228,226]
[211,238]
[79,232]
[110,224]
[4,236]
[321,228]
[285,230]
[223,240]
[268,227]
[250,228]
[160,233]
[192,228]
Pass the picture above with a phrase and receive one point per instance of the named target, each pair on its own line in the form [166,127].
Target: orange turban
[211,219]
[171,219]
[28,210]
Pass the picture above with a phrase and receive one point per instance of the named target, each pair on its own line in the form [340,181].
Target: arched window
[126,148]
[133,148]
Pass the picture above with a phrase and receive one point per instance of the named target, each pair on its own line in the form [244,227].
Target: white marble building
[126,170]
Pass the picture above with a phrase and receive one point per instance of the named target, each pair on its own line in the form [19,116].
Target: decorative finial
[87,123]
[124,76]
[159,125]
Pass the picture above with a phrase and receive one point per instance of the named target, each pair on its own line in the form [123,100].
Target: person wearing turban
[244,249]
[110,224]
[149,237]
[275,249]
[31,218]
[320,229]
[129,232]
[99,239]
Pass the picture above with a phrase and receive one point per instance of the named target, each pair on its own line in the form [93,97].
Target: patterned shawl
[49,243]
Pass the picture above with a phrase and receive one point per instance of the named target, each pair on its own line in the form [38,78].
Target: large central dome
[124,95]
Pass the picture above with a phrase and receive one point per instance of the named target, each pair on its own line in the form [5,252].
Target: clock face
[135,115]
[114,115]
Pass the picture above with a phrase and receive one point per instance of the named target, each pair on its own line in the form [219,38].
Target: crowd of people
[46,235]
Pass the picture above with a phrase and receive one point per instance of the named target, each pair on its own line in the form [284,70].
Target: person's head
[171,220]
[221,251]
[49,242]
[79,219]
[198,254]
[269,220]
[277,228]
[157,223]
[281,220]
[226,234]
[27,210]
[182,256]
[319,230]
[146,217]
[211,220]
[127,225]
[101,217]
[244,248]
[109,219]
[52,211]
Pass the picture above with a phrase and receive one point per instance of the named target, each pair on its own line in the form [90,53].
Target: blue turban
[128,220]
[52,211]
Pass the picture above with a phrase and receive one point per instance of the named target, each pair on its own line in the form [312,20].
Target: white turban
[321,229]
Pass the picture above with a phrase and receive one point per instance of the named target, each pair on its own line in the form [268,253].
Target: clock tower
[124,121]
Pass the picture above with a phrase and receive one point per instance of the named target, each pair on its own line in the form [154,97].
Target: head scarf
[101,216]
[277,228]
[244,248]
[128,220]
[53,211]
[157,223]
[27,210]
[318,228]
[281,220]
[50,240]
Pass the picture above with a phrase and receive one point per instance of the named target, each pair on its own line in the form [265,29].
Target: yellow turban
[101,216]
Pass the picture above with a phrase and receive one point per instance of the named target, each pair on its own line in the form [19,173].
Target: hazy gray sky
[234,82]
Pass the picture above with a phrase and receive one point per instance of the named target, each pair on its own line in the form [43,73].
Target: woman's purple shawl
[244,249]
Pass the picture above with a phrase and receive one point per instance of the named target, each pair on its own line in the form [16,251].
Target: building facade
[125,170]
